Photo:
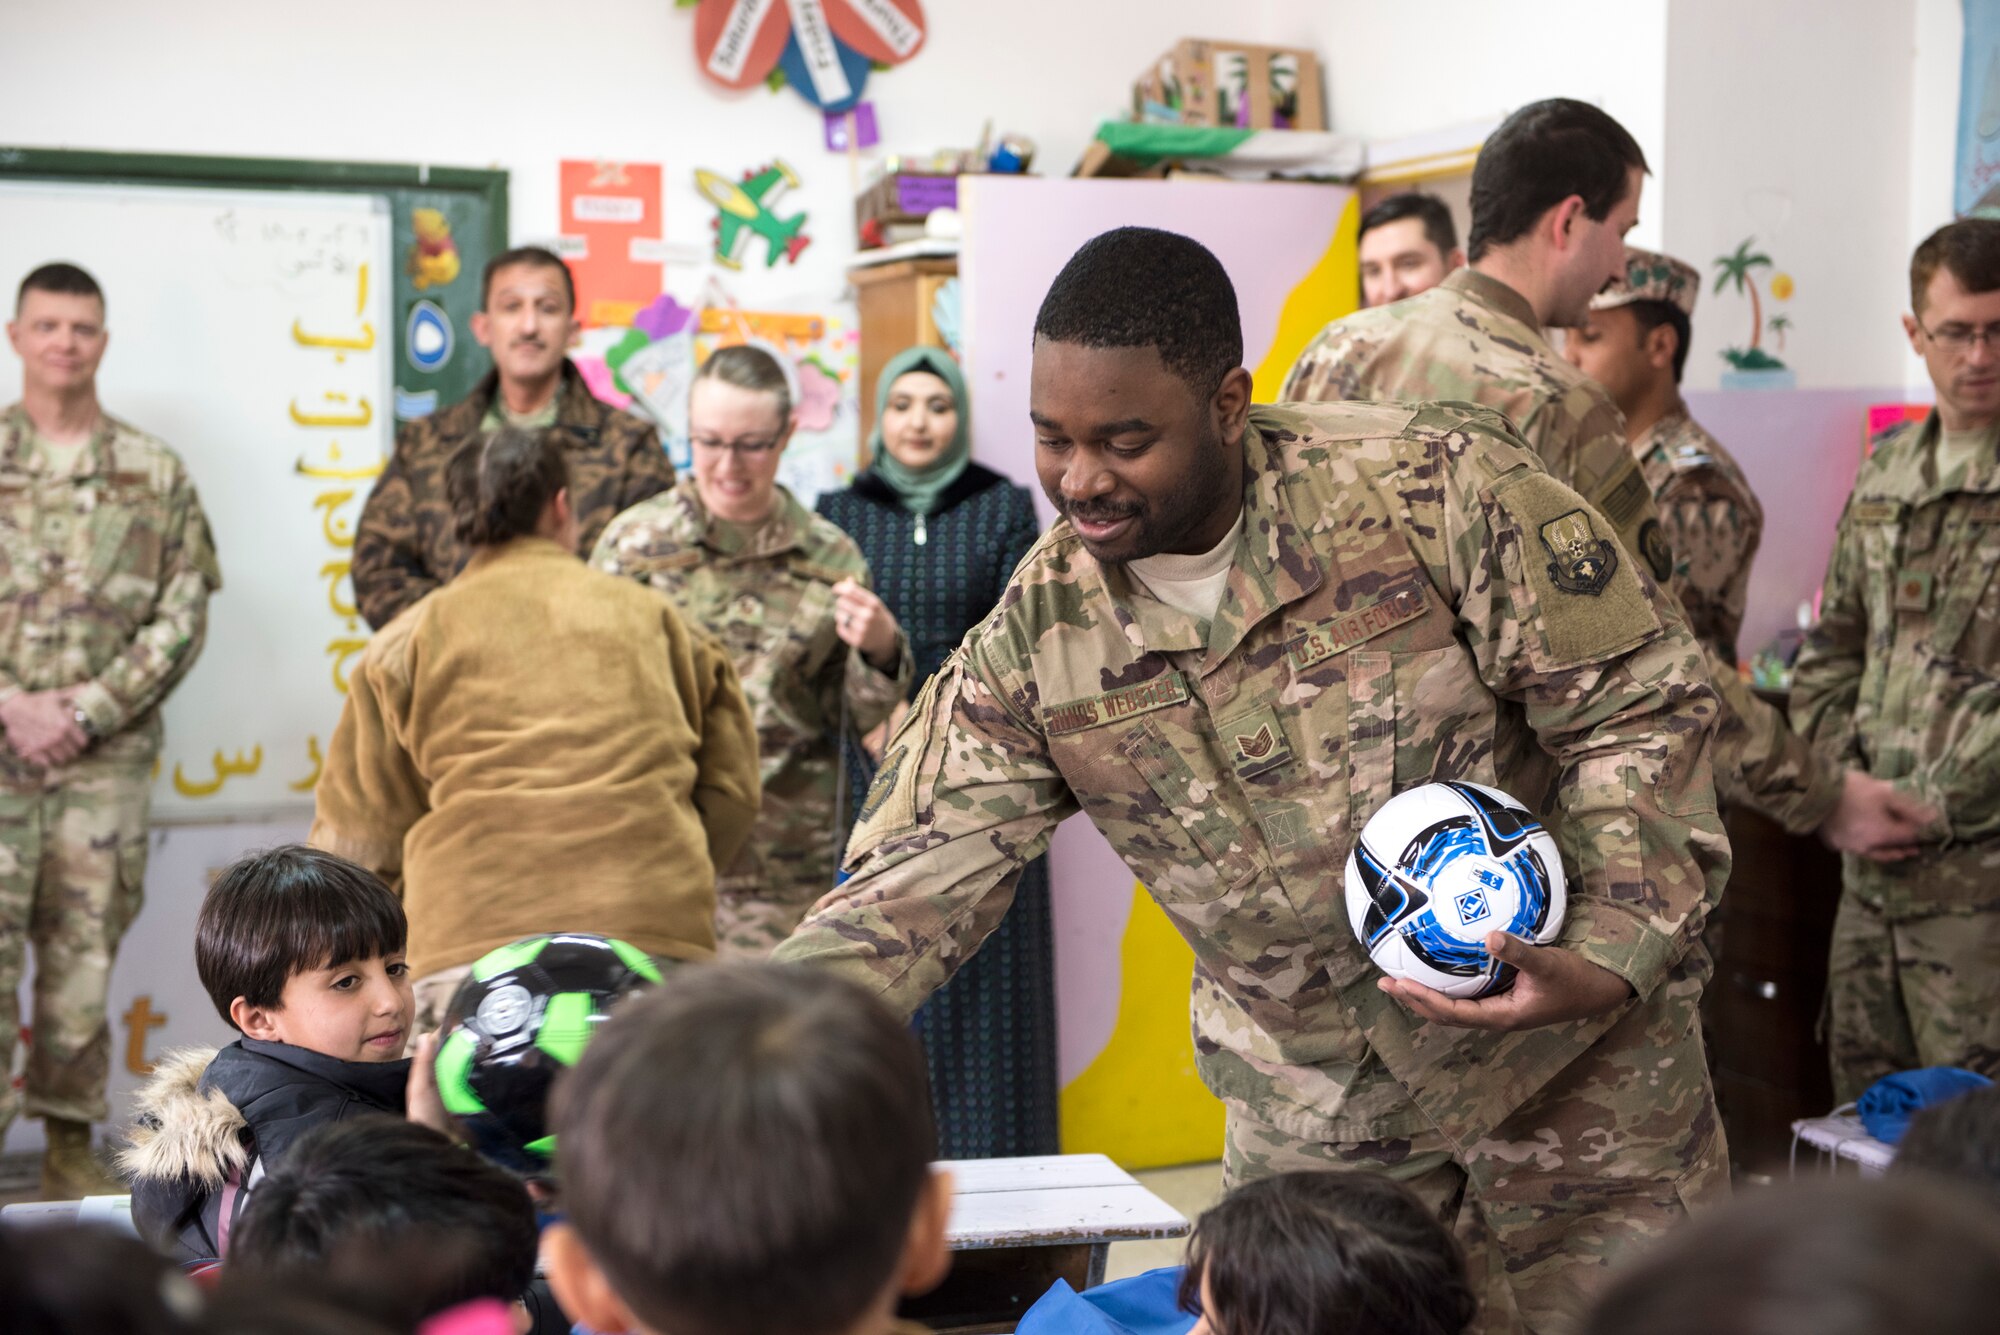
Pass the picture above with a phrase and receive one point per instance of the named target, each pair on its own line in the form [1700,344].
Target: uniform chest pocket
[1966,624]
[1183,802]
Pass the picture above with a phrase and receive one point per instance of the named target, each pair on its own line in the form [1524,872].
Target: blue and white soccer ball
[1436,869]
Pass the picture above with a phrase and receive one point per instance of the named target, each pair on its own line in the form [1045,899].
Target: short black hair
[1306,1253]
[1652,314]
[60,1279]
[282,911]
[499,482]
[1139,287]
[350,1198]
[1958,1139]
[61,276]
[1540,156]
[539,256]
[1841,1257]
[743,1149]
[1970,248]
[1433,212]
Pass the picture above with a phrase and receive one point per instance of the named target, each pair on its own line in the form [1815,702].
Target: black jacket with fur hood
[210,1123]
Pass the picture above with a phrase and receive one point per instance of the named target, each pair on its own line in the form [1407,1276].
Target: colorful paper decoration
[744,210]
[823,48]
[610,206]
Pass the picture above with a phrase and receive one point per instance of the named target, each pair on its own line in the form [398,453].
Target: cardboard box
[1206,82]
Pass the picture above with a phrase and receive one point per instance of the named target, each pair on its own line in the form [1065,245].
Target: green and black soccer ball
[521,1018]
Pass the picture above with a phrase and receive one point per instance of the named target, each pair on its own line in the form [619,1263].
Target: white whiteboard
[251,330]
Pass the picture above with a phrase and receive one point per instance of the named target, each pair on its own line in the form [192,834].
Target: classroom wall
[1418,65]
[521,85]
[1792,125]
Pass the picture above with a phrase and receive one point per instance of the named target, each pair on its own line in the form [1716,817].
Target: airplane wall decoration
[744,210]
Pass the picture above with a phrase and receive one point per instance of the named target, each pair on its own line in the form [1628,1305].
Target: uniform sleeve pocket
[1371,735]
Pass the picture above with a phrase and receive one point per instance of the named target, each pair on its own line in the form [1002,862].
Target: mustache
[1098,512]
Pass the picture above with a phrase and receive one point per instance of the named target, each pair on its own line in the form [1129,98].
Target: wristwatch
[83,722]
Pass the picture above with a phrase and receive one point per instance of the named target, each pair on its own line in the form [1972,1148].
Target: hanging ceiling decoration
[825,49]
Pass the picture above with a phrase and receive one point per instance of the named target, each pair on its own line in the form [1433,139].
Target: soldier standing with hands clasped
[103,605]
[1902,675]
[1251,628]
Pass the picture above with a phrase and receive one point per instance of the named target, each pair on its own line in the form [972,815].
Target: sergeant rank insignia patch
[1581,561]
[1256,743]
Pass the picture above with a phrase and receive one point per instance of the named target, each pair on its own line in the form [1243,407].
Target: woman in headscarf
[942,536]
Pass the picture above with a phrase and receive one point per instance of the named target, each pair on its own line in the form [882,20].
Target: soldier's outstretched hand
[1876,820]
[1554,986]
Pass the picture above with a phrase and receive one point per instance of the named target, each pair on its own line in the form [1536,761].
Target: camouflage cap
[1650,276]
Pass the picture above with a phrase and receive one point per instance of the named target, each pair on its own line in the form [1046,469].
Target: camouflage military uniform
[1902,677]
[105,571]
[1413,600]
[405,546]
[1712,522]
[1475,339]
[768,595]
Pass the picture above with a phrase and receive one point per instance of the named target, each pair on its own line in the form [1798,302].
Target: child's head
[1957,1139]
[1325,1254]
[392,1217]
[1850,1256]
[744,1150]
[65,1280]
[299,946]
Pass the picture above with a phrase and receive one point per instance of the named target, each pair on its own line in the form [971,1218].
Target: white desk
[1839,1137]
[1018,1225]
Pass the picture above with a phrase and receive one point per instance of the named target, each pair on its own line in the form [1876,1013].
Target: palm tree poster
[1752,364]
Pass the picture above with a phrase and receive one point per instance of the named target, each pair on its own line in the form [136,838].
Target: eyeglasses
[751,446]
[1961,337]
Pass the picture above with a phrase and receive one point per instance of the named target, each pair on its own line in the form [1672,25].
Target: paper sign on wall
[610,205]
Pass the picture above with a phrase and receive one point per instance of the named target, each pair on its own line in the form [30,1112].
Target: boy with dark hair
[302,953]
[396,1221]
[1408,243]
[405,545]
[1325,1254]
[744,1151]
[1555,189]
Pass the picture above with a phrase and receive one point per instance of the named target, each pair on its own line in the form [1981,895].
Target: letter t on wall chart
[614,208]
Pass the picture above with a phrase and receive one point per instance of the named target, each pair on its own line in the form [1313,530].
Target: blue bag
[1887,1105]
[1142,1305]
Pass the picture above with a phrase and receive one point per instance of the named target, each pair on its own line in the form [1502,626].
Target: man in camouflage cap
[1555,189]
[1251,627]
[103,605]
[1634,343]
[1902,674]
[405,545]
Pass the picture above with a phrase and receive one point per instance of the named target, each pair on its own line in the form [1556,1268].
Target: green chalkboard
[471,205]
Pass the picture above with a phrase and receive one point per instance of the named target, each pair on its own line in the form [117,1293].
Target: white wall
[1790,120]
[1934,81]
[520,85]
[1417,65]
